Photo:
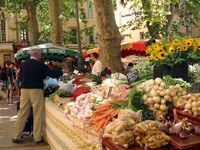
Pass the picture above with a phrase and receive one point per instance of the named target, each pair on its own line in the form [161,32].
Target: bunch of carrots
[103,115]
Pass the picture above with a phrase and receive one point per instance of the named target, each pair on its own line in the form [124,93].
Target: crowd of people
[9,76]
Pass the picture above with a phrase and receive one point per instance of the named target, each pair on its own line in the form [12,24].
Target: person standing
[10,82]
[97,67]
[32,74]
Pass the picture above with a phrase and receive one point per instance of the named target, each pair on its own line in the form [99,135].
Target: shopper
[18,83]
[97,67]
[10,82]
[32,74]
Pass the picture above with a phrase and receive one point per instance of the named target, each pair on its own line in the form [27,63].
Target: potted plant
[172,58]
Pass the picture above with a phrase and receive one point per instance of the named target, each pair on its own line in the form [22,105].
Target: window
[2,31]
[23,35]
[89,10]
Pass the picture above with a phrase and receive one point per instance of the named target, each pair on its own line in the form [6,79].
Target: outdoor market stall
[87,113]
[49,52]
[127,49]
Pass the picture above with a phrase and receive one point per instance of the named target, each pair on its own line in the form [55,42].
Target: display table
[64,134]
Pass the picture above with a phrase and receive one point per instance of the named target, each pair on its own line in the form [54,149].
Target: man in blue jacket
[32,74]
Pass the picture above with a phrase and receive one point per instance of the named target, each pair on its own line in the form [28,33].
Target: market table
[64,134]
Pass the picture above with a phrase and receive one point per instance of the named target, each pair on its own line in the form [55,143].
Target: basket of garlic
[159,96]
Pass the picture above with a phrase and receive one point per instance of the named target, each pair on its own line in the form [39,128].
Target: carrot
[106,122]
[100,125]
[102,109]
[106,114]
[104,105]
[115,113]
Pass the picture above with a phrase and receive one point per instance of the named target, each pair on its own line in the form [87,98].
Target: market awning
[49,51]
[136,48]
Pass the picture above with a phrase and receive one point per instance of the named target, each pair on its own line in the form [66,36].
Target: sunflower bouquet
[186,50]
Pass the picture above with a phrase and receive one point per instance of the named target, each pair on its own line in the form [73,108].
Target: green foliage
[95,78]
[135,100]
[143,68]
[169,81]
[120,105]
[194,73]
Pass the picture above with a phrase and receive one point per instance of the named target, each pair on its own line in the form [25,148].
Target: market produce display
[132,115]
[190,103]
[103,115]
[159,95]
[125,131]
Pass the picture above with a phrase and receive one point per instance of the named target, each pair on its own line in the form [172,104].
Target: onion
[158,80]
[167,92]
[163,107]
[156,99]
[156,106]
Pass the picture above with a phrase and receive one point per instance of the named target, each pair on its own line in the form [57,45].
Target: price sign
[132,76]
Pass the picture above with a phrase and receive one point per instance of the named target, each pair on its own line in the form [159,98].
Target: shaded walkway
[8,115]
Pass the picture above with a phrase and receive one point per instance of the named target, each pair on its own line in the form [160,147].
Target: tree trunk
[56,22]
[109,36]
[30,6]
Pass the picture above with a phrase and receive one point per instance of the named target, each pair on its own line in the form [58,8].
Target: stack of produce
[158,96]
[126,131]
[60,97]
[102,116]
[82,107]
[181,128]
[149,133]
[190,103]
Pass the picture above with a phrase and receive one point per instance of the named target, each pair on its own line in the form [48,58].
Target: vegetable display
[158,96]
[126,132]
[190,103]
[102,116]
[82,107]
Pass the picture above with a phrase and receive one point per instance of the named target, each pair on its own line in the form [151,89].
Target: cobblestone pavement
[8,115]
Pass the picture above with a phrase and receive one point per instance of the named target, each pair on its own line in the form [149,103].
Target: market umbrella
[49,51]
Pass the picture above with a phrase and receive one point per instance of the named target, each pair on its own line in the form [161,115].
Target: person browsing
[32,74]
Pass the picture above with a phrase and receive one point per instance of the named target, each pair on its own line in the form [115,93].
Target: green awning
[49,50]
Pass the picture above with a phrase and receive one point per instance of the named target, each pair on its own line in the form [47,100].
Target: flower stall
[174,57]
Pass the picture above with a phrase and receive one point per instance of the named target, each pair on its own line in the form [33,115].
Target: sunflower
[189,42]
[179,49]
[170,49]
[184,48]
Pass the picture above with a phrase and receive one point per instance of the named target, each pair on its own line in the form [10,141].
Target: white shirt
[32,57]
[97,68]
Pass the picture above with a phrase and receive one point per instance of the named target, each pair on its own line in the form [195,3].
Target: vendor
[97,67]
[129,68]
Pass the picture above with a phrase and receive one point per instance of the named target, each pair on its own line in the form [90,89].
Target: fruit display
[158,96]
